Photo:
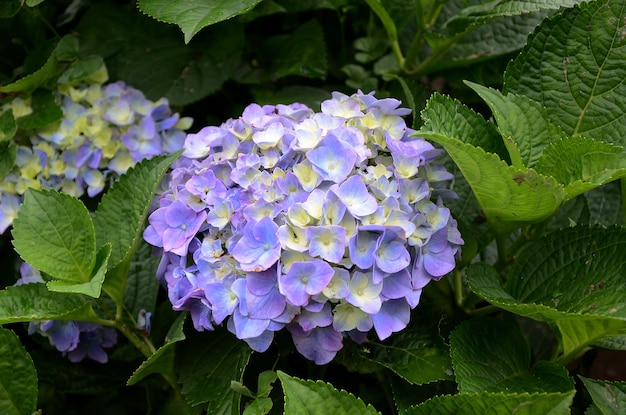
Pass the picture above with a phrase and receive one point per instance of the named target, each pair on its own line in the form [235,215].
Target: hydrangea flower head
[325,224]
[105,130]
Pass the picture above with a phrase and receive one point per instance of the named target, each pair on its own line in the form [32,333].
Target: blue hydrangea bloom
[327,224]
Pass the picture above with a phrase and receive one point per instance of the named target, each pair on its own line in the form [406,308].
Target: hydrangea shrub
[327,224]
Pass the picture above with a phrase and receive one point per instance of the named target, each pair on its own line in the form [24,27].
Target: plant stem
[623,191]
[458,287]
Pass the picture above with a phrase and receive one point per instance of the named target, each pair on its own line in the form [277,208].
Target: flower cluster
[105,130]
[75,339]
[327,224]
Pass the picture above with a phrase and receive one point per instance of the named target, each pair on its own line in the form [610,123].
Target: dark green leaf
[489,403]
[484,12]
[418,356]
[301,53]
[573,65]
[8,127]
[605,204]
[8,155]
[208,362]
[491,355]
[586,309]
[162,361]
[9,8]
[609,397]
[81,69]
[142,286]
[45,111]
[305,397]
[32,302]
[54,233]
[18,378]
[191,16]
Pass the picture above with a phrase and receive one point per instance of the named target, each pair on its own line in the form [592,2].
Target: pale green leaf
[305,397]
[161,361]
[54,233]
[573,64]
[18,378]
[510,197]
[523,123]
[484,12]
[208,362]
[33,302]
[491,355]
[191,16]
[609,397]
[92,288]
[418,356]
[582,164]
[489,403]
[586,309]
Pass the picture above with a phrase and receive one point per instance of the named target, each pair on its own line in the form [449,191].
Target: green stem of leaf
[623,189]
[458,288]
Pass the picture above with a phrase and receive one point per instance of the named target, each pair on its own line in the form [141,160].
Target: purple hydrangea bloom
[326,224]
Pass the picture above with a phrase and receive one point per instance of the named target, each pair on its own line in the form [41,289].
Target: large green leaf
[121,215]
[150,56]
[489,403]
[8,127]
[32,302]
[541,285]
[191,16]
[142,286]
[510,197]
[91,288]
[608,397]
[484,12]
[208,362]
[305,397]
[8,155]
[492,355]
[523,123]
[54,233]
[573,64]
[418,356]
[18,378]
[45,111]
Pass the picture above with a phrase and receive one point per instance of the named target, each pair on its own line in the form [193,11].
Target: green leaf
[302,53]
[510,197]
[604,204]
[54,233]
[385,18]
[449,117]
[32,302]
[9,8]
[582,164]
[523,123]
[609,397]
[142,286]
[92,288]
[162,361]
[8,155]
[18,378]
[55,64]
[8,127]
[45,111]
[498,37]
[417,355]
[584,310]
[305,397]
[573,65]
[122,213]
[489,403]
[81,69]
[491,355]
[191,16]
[208,362]
[482,13]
